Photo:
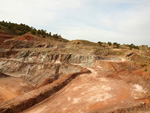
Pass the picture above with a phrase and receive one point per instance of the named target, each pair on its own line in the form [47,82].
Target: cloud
[35,12]
[123,21]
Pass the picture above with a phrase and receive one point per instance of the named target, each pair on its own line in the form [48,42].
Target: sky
[122,21]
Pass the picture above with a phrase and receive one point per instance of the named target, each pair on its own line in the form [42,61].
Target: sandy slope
[12,87]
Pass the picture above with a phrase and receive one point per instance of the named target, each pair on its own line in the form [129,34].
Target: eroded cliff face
[37,66]
[4,36]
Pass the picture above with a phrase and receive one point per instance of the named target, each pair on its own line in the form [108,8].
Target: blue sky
[123,21]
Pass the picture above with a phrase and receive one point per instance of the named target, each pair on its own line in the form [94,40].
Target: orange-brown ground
[12,87]
[26,37]
[91,93]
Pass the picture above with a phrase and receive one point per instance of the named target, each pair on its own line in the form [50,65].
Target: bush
[33,31]
[143,65]
[100,43]
[109,43]
[39,32]
[132,46]
[55,36]
[145,69]
[116,44]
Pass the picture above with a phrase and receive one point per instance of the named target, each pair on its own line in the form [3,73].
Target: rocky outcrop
[36,72]
[38,66]
[55,58]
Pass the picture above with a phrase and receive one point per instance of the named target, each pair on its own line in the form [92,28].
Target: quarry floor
[91,93]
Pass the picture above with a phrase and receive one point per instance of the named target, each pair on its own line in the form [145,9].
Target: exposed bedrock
[36,67]
[36,72]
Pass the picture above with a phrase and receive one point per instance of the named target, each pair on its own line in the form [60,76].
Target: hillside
[21,29]
[46,73]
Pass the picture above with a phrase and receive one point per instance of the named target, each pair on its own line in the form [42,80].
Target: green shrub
[33,31]
[100,43]
[20,29]
[132,46]
[143,65]
[109,43]
[116,44]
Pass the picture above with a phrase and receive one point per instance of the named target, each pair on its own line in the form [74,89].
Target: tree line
[20,29]
[117,45]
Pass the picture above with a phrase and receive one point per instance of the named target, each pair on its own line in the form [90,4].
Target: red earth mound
[26,37]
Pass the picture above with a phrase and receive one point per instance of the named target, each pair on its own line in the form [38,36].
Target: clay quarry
[38,75]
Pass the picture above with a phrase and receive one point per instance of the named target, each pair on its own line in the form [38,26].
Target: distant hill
[9,30]
[21,29]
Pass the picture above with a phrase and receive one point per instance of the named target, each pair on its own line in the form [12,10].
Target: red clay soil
[12,87]
[116,66]
[91,93]
[31,98]
[26,37]
[147,101]
[46,81]
[4,36]
[144,72]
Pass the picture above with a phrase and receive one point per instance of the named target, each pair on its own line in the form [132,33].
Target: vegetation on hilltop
[16,29]
[20,29]
[131,46]
[120,46]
